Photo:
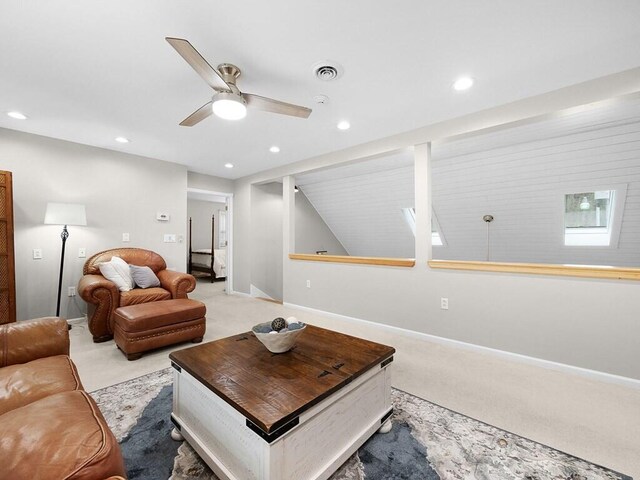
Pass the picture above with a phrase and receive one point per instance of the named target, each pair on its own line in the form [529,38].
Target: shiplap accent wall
[520,176]
[362,204]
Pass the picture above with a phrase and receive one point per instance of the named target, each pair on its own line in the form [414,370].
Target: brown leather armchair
[103,297]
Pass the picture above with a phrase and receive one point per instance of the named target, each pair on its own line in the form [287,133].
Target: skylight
[410,218]
[592,218]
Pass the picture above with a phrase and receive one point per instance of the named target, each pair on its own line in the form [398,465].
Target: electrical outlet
[308,283]
[71,292]
[169,238]
[37,254]
[125,237]
[82,252]
[444,303]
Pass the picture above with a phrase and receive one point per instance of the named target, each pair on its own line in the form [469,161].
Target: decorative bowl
[277,342]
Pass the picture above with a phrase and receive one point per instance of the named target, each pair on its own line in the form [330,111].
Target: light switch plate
[125,237]
[37,254]
[82,252]
[169,238]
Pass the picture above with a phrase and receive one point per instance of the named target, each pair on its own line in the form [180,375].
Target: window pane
[588,209]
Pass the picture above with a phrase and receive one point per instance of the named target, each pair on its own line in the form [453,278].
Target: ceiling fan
[228,102]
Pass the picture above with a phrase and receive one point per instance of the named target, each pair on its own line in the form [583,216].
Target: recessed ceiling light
[344,125]
[274,149]
[463,83]
[228,165]
[17,115]
[122,140]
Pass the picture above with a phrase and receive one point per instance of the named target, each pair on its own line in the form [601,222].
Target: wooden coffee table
[251,414]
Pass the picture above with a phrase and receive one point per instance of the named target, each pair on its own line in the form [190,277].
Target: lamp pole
[64,235]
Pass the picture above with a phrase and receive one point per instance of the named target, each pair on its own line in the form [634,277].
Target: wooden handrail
[389,262]
[589,271]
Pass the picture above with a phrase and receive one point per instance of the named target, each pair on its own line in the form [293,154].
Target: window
[590,218]
[410,218]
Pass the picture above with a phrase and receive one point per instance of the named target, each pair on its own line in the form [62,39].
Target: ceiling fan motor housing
[229,72]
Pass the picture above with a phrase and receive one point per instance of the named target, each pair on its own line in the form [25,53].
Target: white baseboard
[240,294]
[515,357]
[73,321]
[257,293]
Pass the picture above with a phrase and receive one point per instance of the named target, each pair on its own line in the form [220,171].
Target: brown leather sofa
[50,429]
[103,297]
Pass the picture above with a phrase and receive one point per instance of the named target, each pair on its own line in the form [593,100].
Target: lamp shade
[65,214]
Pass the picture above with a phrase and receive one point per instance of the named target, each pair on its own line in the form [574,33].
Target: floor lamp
[64,214]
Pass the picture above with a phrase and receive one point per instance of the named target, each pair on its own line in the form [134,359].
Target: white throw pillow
[112,271]
[122,268]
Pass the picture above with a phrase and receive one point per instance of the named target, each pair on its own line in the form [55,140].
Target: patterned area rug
[427,442]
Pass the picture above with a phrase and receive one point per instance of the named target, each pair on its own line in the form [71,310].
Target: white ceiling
[90,71]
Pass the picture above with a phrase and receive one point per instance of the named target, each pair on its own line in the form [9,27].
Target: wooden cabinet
[7,263]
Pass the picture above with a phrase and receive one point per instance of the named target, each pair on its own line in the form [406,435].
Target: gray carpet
[148,453]
[427,442]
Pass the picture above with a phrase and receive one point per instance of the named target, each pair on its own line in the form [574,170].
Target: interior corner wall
[312,233]
[122,193]
[266,238]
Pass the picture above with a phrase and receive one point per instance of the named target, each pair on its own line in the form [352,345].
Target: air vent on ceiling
[327,70]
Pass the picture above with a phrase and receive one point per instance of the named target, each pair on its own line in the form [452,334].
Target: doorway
[210,236]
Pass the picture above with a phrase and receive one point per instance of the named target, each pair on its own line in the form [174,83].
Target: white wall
[200,212]
[122,193]
[582,322]
[201,181]
[311,232]
[266,239]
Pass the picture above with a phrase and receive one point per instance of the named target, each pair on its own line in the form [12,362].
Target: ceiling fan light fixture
[229,106]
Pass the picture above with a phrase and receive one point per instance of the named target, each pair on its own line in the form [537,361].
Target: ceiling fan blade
[198,63]
[197,116]
[276,106]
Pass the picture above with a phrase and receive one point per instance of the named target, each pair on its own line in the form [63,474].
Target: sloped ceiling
[519,175]
[362,204]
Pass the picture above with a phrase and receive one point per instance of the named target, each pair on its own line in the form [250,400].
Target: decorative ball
[278,324]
